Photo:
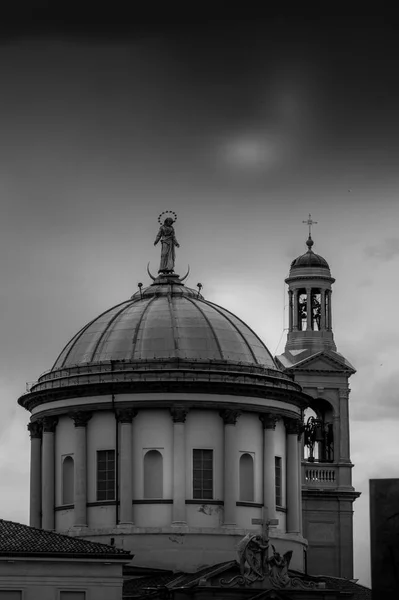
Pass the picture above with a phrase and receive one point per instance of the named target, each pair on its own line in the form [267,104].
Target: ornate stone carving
[293,426]
[81,418]
[256,565]
[179,414]
[268,420]
[126,415]
[35,429]
[49,424]
[344,394]
[229,416]
[252,553]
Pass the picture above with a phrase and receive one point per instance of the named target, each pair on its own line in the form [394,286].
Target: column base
[179,524]
[229,526]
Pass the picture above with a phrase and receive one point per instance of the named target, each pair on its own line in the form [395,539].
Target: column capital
[179,413]
[81,418]
[229,416]
[126,415]
[35,430]
[49,424]
[294,426]
[344,393]
[268,420]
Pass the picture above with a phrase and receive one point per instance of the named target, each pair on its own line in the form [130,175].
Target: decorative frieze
[49,424]
[179,414]
[35,429]
[126,415]
[81,418]
[268,420]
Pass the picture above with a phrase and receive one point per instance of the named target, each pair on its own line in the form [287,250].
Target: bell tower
[312,359]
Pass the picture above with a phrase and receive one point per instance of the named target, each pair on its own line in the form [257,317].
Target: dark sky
[242,128]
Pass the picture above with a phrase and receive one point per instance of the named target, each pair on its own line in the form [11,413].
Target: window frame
[106,499]
[10,589]
[213,474]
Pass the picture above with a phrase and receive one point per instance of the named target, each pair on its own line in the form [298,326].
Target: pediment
[324,361]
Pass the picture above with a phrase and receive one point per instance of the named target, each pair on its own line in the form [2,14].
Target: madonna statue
[166,234]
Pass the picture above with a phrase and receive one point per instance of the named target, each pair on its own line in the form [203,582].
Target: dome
[309,259]
[165,322]
[166,337]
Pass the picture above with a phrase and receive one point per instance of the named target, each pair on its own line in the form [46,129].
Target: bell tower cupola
[312,360]
[310,308]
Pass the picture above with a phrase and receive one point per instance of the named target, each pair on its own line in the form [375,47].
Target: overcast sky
[243,131]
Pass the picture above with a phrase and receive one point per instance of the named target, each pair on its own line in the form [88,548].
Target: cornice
[266,390]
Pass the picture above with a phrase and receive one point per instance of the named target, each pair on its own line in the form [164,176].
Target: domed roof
[309,259]
[165,321]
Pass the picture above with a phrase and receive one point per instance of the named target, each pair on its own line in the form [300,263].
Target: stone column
[295,319]
[269,468]
[80,420]
[230,466]
[35,511]
[48,483]
[309,309]
[300,456]
[323,309]
[290,315]
[125,417]
[344,450]
[179,414]
[292,427]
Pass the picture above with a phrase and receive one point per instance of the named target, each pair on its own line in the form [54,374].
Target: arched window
[67,480]
[246,478]
[153,474]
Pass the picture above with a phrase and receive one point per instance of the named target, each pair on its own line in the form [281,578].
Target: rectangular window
[105,475]
[70,595]
[279,497]
[203,474]
[10,595]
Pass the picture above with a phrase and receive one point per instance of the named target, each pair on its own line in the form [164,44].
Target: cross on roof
[310,223]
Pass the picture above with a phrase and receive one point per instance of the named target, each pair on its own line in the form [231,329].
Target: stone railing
[318,476]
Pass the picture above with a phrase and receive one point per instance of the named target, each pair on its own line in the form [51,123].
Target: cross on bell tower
[310,222]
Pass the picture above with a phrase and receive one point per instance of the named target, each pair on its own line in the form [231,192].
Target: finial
[199,286]
[310,223]
[140,285]
[166,235]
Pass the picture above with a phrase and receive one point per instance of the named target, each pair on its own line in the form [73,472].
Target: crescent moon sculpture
[186,275]
[148,271]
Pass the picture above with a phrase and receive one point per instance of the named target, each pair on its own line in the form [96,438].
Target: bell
[319,434]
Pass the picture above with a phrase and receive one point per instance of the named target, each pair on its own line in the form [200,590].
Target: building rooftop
[24,541]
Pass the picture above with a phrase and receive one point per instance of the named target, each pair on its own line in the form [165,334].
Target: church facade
[165,426]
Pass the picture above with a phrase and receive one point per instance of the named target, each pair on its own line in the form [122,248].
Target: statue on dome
[166,235]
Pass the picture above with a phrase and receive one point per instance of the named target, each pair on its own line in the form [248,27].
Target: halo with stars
[162,216]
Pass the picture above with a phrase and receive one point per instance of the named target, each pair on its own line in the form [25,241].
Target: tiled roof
[360,592]
[187,579]
[132,587]
[22,540]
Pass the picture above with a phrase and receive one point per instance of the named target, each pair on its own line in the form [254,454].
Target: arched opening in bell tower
[319,432]
[302,310]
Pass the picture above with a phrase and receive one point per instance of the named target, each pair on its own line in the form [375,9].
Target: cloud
[384,251]
[378,401]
